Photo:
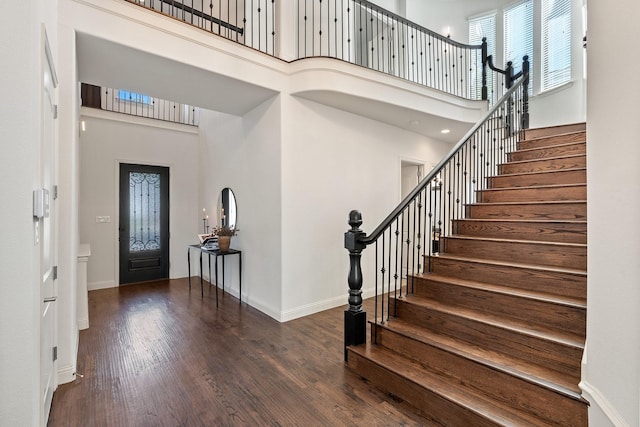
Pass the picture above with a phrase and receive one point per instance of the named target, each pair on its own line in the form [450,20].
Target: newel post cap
[352,237]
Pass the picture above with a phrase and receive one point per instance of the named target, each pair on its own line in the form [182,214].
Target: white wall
[611,377]
[112,138]
[21,44]
[243,153]
[333,162]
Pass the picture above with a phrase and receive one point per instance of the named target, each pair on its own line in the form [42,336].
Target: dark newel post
[485,53]
[525,94]
[508,83]
[509,75]
[355,318]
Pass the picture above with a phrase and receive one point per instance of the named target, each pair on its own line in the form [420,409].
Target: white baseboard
[83,324]
[66,374]
[308,309]
[263,308]
[94,286]
[601,411]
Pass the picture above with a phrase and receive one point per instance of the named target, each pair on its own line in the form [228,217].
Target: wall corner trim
[598,401]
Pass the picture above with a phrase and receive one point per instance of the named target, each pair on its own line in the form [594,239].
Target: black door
[144,223]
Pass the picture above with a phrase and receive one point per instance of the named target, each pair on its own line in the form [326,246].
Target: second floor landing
[119,44]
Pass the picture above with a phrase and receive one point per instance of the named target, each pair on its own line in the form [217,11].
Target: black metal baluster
[430,194]
[419,235]
[413,252]
[382,273]
[389,278]
[319,24]
[375,311]
[395,274]
[349,30]
[408,242]
[402,249]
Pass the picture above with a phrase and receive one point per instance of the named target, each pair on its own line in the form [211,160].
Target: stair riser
[549,354]
[546,152]
[543,178]
[530,398]
[543,165]
[566,232]
[550,282]
[521,252]
[556,316]
[434,405]
[547,141]
[551,211]
[555,130]
[578,192]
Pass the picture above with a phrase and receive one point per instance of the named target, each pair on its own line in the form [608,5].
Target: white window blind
[556,43]
[518,35]
[479,28]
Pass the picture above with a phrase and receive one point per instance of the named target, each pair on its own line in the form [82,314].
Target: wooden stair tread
[573,271]
[547,202]
[442,385]
[557,129]
[548,378]
[541,172]
[536,187]
[545,159]
[555,135]
[505,290]
[562,144]
[533,242]
[527,221]
[562,337]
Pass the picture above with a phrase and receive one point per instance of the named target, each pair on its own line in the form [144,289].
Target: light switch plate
[103,219]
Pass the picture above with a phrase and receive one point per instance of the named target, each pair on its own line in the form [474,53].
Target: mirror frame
[227,207]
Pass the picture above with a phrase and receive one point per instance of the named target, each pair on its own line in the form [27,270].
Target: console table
[215,253]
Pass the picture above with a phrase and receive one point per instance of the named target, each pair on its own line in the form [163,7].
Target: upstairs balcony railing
[359,32]
[137,104]
[355,31]
[248,22]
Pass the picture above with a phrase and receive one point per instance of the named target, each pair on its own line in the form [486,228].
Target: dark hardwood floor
[158,355]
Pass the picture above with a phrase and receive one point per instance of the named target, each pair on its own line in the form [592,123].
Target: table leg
[217,279]
[201,274]
[189,265]
[223,257]
[240,276]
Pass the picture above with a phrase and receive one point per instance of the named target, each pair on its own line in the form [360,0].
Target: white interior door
[46,239]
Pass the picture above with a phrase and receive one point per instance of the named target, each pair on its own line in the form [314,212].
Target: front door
[144,223]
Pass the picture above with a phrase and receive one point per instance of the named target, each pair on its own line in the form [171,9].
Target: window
[518,35]
[479,28]
[125,95]
[556,43]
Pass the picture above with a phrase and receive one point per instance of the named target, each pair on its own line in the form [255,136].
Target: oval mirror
[227,209]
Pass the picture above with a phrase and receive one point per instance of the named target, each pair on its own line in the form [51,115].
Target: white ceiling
[104,63]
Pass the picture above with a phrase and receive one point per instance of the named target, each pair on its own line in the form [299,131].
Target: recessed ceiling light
[445,131]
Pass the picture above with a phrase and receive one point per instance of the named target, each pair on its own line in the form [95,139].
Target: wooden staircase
[494,334]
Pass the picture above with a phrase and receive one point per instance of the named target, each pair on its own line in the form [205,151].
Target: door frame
[116,221]
[48,248]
